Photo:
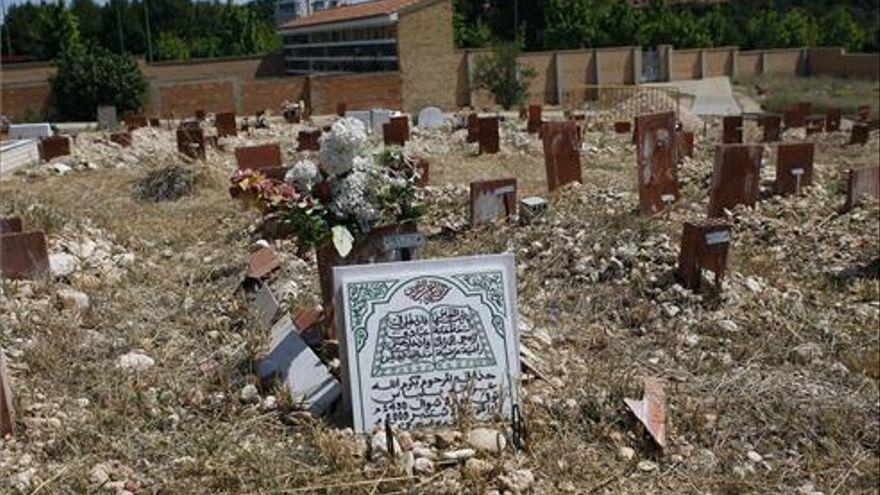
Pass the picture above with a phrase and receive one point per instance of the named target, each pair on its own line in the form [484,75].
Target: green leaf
[342,240]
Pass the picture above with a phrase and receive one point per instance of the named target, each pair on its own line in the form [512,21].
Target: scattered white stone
[754,456]
[728,326]
[477,468]
[61,168]
[379,445]
[626,453]
[459,455]
[249,394]
[807,352]
[423,465]
[647,466]
[62,264]
[518,481]
[486,440]
[135,361]
[73,299]
[753,285]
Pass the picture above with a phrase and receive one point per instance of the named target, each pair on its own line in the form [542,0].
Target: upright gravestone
[685,142]
[562,159]
[396,131]
[815,124]
[656,161]
[421,340]
[225,122]
[736,177]
[489,140]
[794,168]
[24,255]
[308,140]
[704,245]
[191,142]
[264,156]
[491,199]
[862,182]
[794,117]
[473,128]
[107,119]
[832,120]
[431,118]
[534,124]
[733,129]
[54,146]
[771,124]
[860,133]
[378,118]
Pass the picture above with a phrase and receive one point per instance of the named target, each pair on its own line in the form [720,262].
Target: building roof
[351,13]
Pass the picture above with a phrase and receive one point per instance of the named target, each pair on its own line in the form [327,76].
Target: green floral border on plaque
[360,294]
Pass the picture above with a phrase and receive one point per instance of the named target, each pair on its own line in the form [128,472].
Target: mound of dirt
[168,184]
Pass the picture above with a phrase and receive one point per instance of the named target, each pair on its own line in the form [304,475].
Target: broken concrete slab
[651,410]
[862,182]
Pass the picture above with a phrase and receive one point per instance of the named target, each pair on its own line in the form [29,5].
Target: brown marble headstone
[862,182]
[685,142]
[191,141]
[735,178]
[24,255]
[562,159]
[832,120]
[794,167]
[860,133]
[54,146]
[225,122]
[133,122]
[771,124]
[815,124]
[623,127]
[534,124]
[656,158]
[473,128]
[492,198]
[733,129]
[704,245]
[261,157]
[489,139]
[794,117]
[7,411]
[341,109]
[805,107]
[121,138]
[396,131]
[308,140]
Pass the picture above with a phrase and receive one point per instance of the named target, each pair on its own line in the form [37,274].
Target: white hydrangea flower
[339,147]
[304,175]
[354,196]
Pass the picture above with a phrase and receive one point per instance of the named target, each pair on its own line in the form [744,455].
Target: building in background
[287,10]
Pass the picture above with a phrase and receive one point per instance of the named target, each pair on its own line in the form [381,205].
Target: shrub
[501,75]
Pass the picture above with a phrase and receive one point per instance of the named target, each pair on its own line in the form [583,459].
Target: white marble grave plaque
[365,116]
[431,118]
[107,117]
[420,337]
[378,118]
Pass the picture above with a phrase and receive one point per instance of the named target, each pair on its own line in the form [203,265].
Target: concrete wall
[719,62]
[835,62]
[789,61]
[749,63]
[575,69]
[429,63]
[543,86]
[685,65]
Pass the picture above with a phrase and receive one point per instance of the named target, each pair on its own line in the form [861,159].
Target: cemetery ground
[777,92]
[131,368]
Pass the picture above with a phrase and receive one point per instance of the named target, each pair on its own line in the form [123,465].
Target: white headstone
[431,118]
[29,131]
[420,337]
[293,363]
[364,116]
[17,154]
[380,116]
[107,117]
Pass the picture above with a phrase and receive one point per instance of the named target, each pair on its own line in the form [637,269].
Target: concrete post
[469,60]
[637,64]
[734,62]
[598,66]
[560,84]
[763,61]
[237,95]
[666,63]
[702,64]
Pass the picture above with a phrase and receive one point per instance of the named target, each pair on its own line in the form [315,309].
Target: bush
[87,78]
[501,75]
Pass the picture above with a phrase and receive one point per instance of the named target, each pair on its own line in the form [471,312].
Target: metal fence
[612,103]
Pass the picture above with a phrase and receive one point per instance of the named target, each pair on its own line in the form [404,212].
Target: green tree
[801,28]
[170,47]
[621,24]
[765,30]
[501,74]
[840,29]
[571,24]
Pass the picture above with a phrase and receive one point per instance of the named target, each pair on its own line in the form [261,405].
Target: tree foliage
[178,28]
[500,74]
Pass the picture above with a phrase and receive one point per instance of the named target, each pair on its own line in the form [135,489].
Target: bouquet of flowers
[352,190]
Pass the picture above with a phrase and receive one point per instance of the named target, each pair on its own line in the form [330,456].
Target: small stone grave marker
[121,138]
[733,129]
[492,198]
[794,168]
[532,207]
[704,245]
[54,146]
[24,255]
[488,135]
[794,117]
[562,159]
[308,140]
[534,122]
[291,362]
[804,107]
[378,118]
[7,411]
[225,122]
[133,122]
[473,128]
[862,182]
[29,131]
[735,178]
[431,118]
[419,338]
[656,161]
[623,127]
[860,133]
[262,262]
[264,156]
[832,120]
[11,225]
[200,115]
[107,119]
[191,141]
[396,131]
[685,142]
[771,125]
[264,303]
[341,108]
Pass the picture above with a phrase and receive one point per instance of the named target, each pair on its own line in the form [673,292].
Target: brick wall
[21,101]
[183,99]
[262,95]
[357,91]
[429,64]
[836,62]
